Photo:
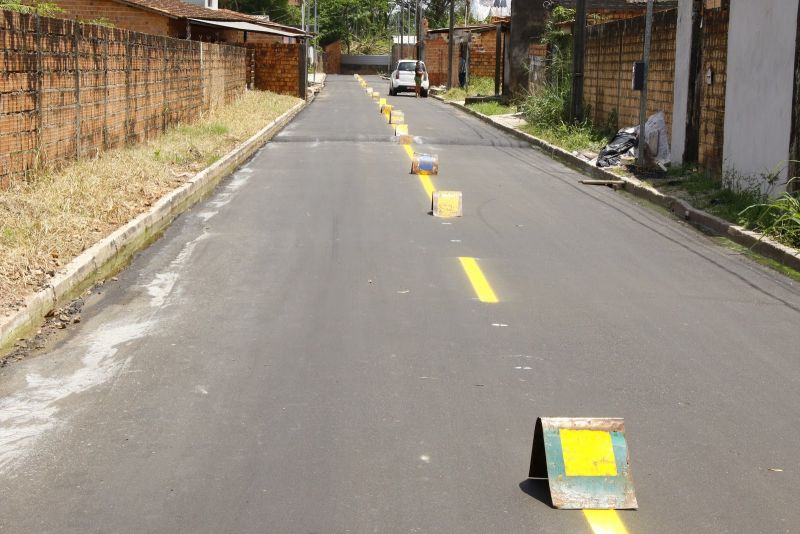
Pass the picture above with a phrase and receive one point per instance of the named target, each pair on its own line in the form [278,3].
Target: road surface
[303,352]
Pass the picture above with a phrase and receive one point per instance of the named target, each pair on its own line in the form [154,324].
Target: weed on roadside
[53,216]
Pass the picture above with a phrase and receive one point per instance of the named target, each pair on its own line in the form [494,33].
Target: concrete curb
[756,242]
[114,251]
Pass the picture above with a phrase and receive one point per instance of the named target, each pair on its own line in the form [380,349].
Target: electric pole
[579,51]
[648,35]
[450,45]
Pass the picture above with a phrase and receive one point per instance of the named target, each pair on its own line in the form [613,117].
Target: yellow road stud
[401,129]
[425,164]
[397,117]
[447,204]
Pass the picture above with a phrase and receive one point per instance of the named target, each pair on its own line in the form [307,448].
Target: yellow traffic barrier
[401,129]
[447,204]
[381,103]
[585,461]
[397,117]
[387,110]
[405,139]
[375,95]
[425,164]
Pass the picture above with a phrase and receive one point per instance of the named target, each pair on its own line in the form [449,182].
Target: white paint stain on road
[28,413]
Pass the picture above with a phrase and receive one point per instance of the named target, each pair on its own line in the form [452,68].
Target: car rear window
[408,66]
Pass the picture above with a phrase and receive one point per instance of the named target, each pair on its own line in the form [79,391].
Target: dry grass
[48,220]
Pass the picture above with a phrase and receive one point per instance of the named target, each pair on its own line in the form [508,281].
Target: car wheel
[424,93]
[392,92]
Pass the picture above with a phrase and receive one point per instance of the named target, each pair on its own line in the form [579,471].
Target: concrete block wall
[69,90]
[333,58]
[611,50]
[483,54]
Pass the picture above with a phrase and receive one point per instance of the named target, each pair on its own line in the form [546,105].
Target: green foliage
[779,218]
[493,108]
[45,9]
[100,21]
[353,21]
[477,86]
[570,137]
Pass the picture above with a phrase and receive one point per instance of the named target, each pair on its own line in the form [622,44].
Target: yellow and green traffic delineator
[585,461]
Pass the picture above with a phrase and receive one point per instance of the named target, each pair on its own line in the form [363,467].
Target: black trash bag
[625,140]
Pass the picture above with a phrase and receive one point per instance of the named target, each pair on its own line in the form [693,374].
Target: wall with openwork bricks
[712,97]
[69,90]
[611,50]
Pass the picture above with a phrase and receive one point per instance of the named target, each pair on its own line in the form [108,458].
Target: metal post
[579,51]
[316,33]
[402,30]
[303,16]
[76,30]
[450,45]
[648,35]
[498,43]
[417,28]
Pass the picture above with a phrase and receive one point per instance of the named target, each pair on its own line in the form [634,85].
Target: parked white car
[402,78]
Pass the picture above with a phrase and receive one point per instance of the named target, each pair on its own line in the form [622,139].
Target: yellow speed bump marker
[405,139]
[447,204]
[425,164]
[397,117]
[381,103]
[585,461]
[401,129]
[387,110]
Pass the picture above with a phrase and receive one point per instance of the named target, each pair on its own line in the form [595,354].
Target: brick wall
[125,17]
[712,97]
[611,50]
[277,67]
[436,62]
[333,58]
[68,89]
[483,53]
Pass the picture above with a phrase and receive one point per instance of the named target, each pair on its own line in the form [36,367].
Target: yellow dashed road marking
[605,522]
[479,282]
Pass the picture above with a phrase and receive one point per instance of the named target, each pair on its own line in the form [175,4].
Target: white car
[402,79]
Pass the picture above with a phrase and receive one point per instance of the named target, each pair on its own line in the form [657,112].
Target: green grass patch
[493,108]
[568,137]
[477,86]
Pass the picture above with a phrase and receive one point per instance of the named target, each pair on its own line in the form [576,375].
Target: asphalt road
[303,352]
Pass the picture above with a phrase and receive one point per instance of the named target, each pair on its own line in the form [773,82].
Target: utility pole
[303,16]
[450,45]
[417,28]
[316,33]
[648,37]
[579,51]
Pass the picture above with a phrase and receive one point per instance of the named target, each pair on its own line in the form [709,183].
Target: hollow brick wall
[69,90]
[277,67]
[611,50]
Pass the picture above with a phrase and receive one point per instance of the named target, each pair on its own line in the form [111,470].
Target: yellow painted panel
[587,453]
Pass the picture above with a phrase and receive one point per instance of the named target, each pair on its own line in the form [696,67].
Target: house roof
[179,9]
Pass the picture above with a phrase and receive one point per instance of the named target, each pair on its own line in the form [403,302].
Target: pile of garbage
[626,144]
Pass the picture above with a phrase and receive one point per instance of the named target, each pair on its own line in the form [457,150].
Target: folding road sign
[585,461]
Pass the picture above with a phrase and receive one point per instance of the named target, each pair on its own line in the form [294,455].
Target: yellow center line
[479,283]
[424,179]
[605,522]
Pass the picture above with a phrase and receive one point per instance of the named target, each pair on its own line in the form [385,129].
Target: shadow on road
[537,488]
